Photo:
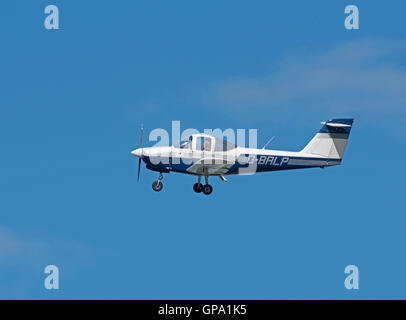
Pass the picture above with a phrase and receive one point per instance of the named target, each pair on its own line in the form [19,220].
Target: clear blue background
[72,102]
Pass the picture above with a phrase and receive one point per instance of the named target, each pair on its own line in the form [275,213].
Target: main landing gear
[206,189]
[157,185]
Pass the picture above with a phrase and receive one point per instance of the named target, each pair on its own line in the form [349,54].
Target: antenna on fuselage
[268,142]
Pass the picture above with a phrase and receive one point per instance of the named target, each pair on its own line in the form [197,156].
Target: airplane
[205,155]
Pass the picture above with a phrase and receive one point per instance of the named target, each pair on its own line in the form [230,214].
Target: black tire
[207,189]
[197,187]
[157,186]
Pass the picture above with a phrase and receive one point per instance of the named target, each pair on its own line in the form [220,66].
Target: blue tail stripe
[328,129]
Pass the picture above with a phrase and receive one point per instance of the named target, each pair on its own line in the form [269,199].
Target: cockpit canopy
[204,142]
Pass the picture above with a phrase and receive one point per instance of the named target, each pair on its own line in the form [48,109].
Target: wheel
[157,185]
[198,187]
[207,189]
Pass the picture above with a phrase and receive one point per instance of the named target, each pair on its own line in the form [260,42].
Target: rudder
[331,140]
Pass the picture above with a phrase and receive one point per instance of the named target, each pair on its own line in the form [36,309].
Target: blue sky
[72,102]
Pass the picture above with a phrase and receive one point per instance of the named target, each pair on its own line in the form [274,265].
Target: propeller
[139,160]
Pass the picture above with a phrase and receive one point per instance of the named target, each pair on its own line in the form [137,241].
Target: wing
[210,166]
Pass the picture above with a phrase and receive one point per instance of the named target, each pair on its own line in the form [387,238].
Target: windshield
[184,145]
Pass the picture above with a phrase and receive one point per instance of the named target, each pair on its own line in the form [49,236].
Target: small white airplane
[205,155]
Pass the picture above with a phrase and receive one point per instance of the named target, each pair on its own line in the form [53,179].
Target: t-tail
[331,140]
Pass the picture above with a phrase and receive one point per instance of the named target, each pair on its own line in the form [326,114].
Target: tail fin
[331,140]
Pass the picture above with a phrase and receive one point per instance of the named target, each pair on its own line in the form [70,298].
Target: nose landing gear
[157,185]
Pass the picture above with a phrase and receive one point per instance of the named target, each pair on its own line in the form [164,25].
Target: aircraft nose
[137,152]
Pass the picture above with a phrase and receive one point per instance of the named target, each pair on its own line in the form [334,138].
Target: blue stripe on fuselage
[259,163]
[265,163]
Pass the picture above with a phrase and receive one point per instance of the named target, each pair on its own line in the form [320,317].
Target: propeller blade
[142,129]
[139,160]
[139,168]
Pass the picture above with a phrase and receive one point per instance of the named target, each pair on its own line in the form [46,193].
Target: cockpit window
[203,144]
[223,145]
[207,144]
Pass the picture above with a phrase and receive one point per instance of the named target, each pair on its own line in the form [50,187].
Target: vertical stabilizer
[331,140]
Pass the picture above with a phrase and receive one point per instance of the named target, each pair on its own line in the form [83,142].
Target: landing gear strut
[198,187]
[157,185]
[206,189]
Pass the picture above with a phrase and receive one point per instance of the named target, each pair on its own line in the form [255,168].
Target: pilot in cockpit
[207,144]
